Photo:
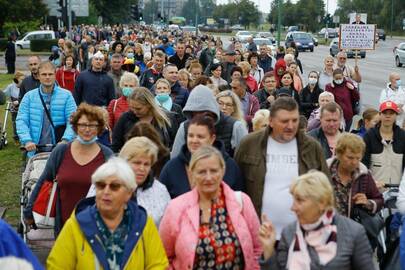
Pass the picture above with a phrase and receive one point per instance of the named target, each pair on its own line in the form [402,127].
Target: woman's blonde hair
[245,66]
[314,185]
[237,106]
[164,81]
[129,77]
[139,146]
[206,151]
[261,116]
[349,141]
[145,97]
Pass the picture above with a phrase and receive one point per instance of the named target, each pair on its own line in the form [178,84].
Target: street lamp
[280,2]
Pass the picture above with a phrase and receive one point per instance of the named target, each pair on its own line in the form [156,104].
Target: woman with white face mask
[346,95]
[310,94]
[73,164]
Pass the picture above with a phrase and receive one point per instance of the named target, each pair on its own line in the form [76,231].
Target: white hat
[98,55]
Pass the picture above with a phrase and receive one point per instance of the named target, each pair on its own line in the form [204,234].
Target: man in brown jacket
[272,158]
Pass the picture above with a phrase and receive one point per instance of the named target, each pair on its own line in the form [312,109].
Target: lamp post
[280,2]
[392,16]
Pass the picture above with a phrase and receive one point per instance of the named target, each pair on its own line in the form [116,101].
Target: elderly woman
[210,226]
[326,75]
[353,184]
[229,104]
[321,238]
[201,131]
[128,82]
[143,108]
[261,119]
[141,153]
[73,164]
[109,231]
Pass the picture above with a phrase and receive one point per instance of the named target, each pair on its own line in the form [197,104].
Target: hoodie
[201,99]
[174,175]
[280,68]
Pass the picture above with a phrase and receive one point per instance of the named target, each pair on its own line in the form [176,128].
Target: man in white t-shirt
[272,158]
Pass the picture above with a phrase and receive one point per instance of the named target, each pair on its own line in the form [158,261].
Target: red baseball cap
[389,105]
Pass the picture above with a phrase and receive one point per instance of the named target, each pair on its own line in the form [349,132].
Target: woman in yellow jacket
[109,231]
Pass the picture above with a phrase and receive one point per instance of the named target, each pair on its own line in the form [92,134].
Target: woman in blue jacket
[201,131]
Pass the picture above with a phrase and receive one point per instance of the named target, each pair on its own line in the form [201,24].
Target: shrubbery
[3,44]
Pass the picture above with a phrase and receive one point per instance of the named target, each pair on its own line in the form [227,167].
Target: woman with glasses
[109,231]
[230,105]
[73,164]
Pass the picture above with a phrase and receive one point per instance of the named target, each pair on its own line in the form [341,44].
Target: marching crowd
[172,151]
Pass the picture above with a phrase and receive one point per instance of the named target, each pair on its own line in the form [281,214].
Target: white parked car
[265,41]
[399,52]
[25,41]
[243,36]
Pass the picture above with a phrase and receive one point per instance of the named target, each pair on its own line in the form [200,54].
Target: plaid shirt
[342,192]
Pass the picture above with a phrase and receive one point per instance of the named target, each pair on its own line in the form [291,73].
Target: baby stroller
[3,130]
[388,248]
[42,237]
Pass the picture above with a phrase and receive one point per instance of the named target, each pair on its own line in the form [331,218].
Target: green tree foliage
[243,12]
[15,11]
[117,11]
[206,9]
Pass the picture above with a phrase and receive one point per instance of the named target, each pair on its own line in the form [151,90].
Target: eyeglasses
[223,104]
[112,186]
[84,126]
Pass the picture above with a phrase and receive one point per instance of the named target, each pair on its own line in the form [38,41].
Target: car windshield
[301,36]
[262,42]
[244,33]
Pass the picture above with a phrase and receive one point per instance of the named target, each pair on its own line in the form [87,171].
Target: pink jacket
[179,228]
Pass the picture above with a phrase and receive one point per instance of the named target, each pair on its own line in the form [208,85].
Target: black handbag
[59,130]
[373,224]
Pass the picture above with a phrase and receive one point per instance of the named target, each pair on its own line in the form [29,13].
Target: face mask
[127,91]
[312,81]
[130,55]
[162,97]
[398,83]
[82,141]
[338,82]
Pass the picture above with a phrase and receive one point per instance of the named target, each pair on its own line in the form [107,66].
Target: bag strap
[239,199]
[50,202]
[115,105]
[45,108]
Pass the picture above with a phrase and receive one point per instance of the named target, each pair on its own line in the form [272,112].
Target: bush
[42,45]
[3,44]
[23,27]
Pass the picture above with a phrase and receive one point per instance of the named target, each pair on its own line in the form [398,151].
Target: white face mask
[338,81]
[312,81]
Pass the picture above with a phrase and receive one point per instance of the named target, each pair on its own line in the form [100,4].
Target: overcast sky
[264,5]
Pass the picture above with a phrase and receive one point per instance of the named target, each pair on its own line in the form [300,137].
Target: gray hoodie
[202,99]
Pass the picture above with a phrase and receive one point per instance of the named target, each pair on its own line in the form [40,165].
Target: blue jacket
[179,94]
[174,175]
[31,114]
[11,245]
[169,50]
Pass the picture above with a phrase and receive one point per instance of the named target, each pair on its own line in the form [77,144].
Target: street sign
[357,36]
[80,7]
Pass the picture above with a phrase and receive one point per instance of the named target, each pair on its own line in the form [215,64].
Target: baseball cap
[389,105]
[283,92]
[165,39]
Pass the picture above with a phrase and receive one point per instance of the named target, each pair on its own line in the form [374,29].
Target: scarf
[321,236]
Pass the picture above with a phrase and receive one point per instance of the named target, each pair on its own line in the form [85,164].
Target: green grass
[10,167]
[25,52]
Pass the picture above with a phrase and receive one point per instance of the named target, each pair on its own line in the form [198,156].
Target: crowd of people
[227,158]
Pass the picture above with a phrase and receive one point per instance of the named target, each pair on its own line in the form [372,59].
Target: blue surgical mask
[398,83]
[338,82]
[127,91]
[84,142]
[163,97]
[130,55]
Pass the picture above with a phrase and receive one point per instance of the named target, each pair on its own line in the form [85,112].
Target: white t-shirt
[281,170]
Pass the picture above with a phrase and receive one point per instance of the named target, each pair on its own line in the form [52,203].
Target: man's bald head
[394,78]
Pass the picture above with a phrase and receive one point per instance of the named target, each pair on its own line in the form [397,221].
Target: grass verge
[10,167]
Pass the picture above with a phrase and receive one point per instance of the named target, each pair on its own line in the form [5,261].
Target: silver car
[399,52]
[243,36]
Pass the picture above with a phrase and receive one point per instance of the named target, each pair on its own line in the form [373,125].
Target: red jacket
[67,78]
[115,109]
[344,97]
[252,84]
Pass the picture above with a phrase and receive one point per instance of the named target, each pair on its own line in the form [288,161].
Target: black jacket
[95,88]
[262,96]
[309,101]
[174,174]
[149,78]
[180,63]
[128,120]
[29,83]
[179,94]
[10,54]
[318,135]
[226,70]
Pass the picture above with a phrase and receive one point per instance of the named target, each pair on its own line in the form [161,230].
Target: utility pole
[392,16]
[280,2]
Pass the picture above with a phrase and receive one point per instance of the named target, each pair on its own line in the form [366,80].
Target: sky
[264,5]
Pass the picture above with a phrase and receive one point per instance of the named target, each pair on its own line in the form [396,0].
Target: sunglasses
[112,186]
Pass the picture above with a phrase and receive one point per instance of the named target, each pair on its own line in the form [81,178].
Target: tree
[117,11]
[308,11]
[21,11]
[243,12]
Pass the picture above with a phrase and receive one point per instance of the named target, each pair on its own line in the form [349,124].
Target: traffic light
[135,12]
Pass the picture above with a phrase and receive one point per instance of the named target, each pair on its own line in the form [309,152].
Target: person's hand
[350,86]
[30,223]
[15,103]
[270,99]
[267,237]
[30,146]
[360,198]
[356,68]
[380,184]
